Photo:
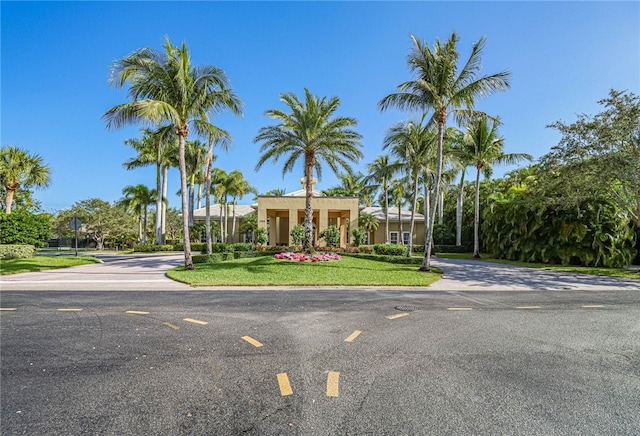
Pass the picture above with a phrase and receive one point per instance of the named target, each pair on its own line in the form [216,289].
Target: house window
[405,238]
[393,237]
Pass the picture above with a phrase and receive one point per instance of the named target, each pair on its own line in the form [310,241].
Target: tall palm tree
[222,139]
[156,147]
[381,170]
[483,143]
[20,169]
[166,88]
[137,199]
[399,197]
[440,87]
[312,132]
[414,143]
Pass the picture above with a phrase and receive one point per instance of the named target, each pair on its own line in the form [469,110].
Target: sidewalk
[147,273]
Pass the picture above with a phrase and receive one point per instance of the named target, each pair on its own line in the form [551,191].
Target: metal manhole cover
[406,308]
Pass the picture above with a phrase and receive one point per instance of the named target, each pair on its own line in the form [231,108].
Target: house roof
[405,215]
[242,211]
[298,193]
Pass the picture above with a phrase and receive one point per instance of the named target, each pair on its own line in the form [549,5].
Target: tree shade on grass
[43,263]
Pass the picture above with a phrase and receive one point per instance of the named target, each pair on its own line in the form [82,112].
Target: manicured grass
[42,263]
[612,272]
[266,271]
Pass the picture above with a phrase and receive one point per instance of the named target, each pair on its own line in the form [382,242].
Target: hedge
[16,251]
[24,228]
[221,257]
[390,249]
[153,248]
[387,258]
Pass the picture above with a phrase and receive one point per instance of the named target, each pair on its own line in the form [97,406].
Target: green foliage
[390,250]
[149,248]
[225,256]
[442,235]
[397,259]
[23,227]
[529,222]
[297,234]
[359,236]
[16,251]
[262,235]
[331,236]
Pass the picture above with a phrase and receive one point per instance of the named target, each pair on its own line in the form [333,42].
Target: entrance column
[293,221]
[323,220]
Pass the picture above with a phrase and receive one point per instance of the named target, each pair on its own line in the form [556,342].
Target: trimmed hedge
[221,257]
[387,258]
[141,248]
[444,249]
[24,228]
[17,251]
[390,249]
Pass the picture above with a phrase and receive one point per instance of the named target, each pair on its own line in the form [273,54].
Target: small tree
[331,236]
[262,235]
[297,234]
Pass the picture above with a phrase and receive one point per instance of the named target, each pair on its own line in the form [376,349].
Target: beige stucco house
[280,214]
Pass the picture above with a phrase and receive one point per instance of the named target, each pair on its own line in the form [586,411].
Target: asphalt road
[554,362]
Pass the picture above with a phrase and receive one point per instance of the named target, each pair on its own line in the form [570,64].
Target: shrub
[442,235]
[262,235]
[390,249]
[386,258]
[331,236]
[207,258]
[16,251]
[359,236]
[297,234]
[23,227]
[242,246]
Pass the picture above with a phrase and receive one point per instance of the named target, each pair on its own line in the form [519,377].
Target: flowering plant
[301,257]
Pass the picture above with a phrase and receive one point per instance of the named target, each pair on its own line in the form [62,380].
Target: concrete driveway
[147,272]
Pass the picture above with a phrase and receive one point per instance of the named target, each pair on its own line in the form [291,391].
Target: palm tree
[276,192]
[237,187]
[368,222]
[438,86]
[222,139]
[219,182]
[399,197]
[414,143]
[309,131]
[137,199]
[382,171]
[156,147]
[485,146]
[20,169]
[353,185]
[166,88]
[195,156]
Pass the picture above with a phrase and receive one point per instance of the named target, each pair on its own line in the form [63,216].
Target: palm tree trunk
[207,195]
[222,238]
[308,211]
[426,262]
[9,200]
[144,227]
[413,215]
[192,191]
[165,181]
[188,261]
[386,213]
[476,220]
[441,208]
[233,222]
[400,241]
[158,237]
[459,211]
[427,208]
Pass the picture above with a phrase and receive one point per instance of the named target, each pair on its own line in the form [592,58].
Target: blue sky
[563,56]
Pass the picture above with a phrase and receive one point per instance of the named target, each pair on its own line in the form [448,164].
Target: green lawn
[266,271]
[613,272]
[42,263]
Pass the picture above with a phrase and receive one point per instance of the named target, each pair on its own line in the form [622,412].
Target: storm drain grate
[406,308]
